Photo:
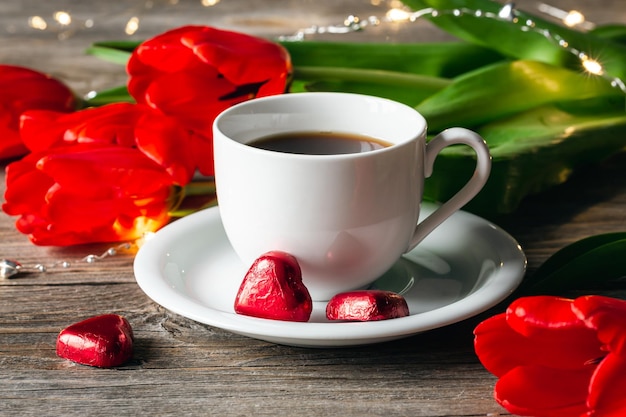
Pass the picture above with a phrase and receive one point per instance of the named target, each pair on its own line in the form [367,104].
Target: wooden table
[181,367]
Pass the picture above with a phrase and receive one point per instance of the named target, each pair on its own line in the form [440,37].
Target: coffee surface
[319,143]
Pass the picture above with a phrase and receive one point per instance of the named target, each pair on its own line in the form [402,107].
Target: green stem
[109,54]
[382,77]
[410,89]
[185,212]
[195,188]
[195,196]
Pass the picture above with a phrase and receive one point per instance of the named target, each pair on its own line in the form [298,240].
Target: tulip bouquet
[114,172]
[536,91]
[521,86]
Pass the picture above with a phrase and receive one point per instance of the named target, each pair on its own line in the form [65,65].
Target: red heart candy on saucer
[366,305]
[273,289]
[103,341]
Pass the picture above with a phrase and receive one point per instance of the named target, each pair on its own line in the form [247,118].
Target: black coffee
[319,143]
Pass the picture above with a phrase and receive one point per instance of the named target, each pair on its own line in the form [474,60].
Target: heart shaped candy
[273,289]
[103,341]
[366,305]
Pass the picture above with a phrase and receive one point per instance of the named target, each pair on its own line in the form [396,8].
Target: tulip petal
[607,391]
[607,316]
[22,89]
[104,172]
[10,142]
[552,322]
[26,192]
[109,124]
[223,50]
[72,213]
[106,125]
[493,342]
[543,392]
[25,186]
[203,151]
[541,315]
[34,89]
[118,209]
[163,140]
[40,129]
[536,330]
[165,53]
[196,101]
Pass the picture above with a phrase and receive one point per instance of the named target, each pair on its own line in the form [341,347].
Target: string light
[132,25]
[591,65]
[63,18]
[506,13]
[37,22]
[67,25]
[572,18]
[9,269]
[397,15]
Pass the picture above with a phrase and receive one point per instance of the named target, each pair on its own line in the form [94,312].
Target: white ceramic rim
[245,107]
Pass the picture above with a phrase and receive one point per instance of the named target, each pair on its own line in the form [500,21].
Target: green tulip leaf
[443,59]
[113,95]
[532,151]
[507,88]
[514,38]
[614,32]
[127,46]
[109,53]
[406,88]
[585,264]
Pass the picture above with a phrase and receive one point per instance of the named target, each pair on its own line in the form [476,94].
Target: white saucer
[461,269]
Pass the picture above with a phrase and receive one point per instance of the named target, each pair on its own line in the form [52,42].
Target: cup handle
[453,136]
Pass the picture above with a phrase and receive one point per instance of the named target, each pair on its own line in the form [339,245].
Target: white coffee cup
[347,218]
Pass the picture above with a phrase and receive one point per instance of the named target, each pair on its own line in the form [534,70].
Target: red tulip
[557,357]
[99,175]
[195,72]
[23,89]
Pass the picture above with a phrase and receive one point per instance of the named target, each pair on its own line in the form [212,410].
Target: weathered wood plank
[181,367]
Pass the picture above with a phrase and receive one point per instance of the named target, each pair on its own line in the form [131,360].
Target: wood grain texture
[181,367]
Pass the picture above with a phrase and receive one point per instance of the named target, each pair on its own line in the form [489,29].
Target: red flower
[98,175]
[23,89]
[557,357]
[195,72]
